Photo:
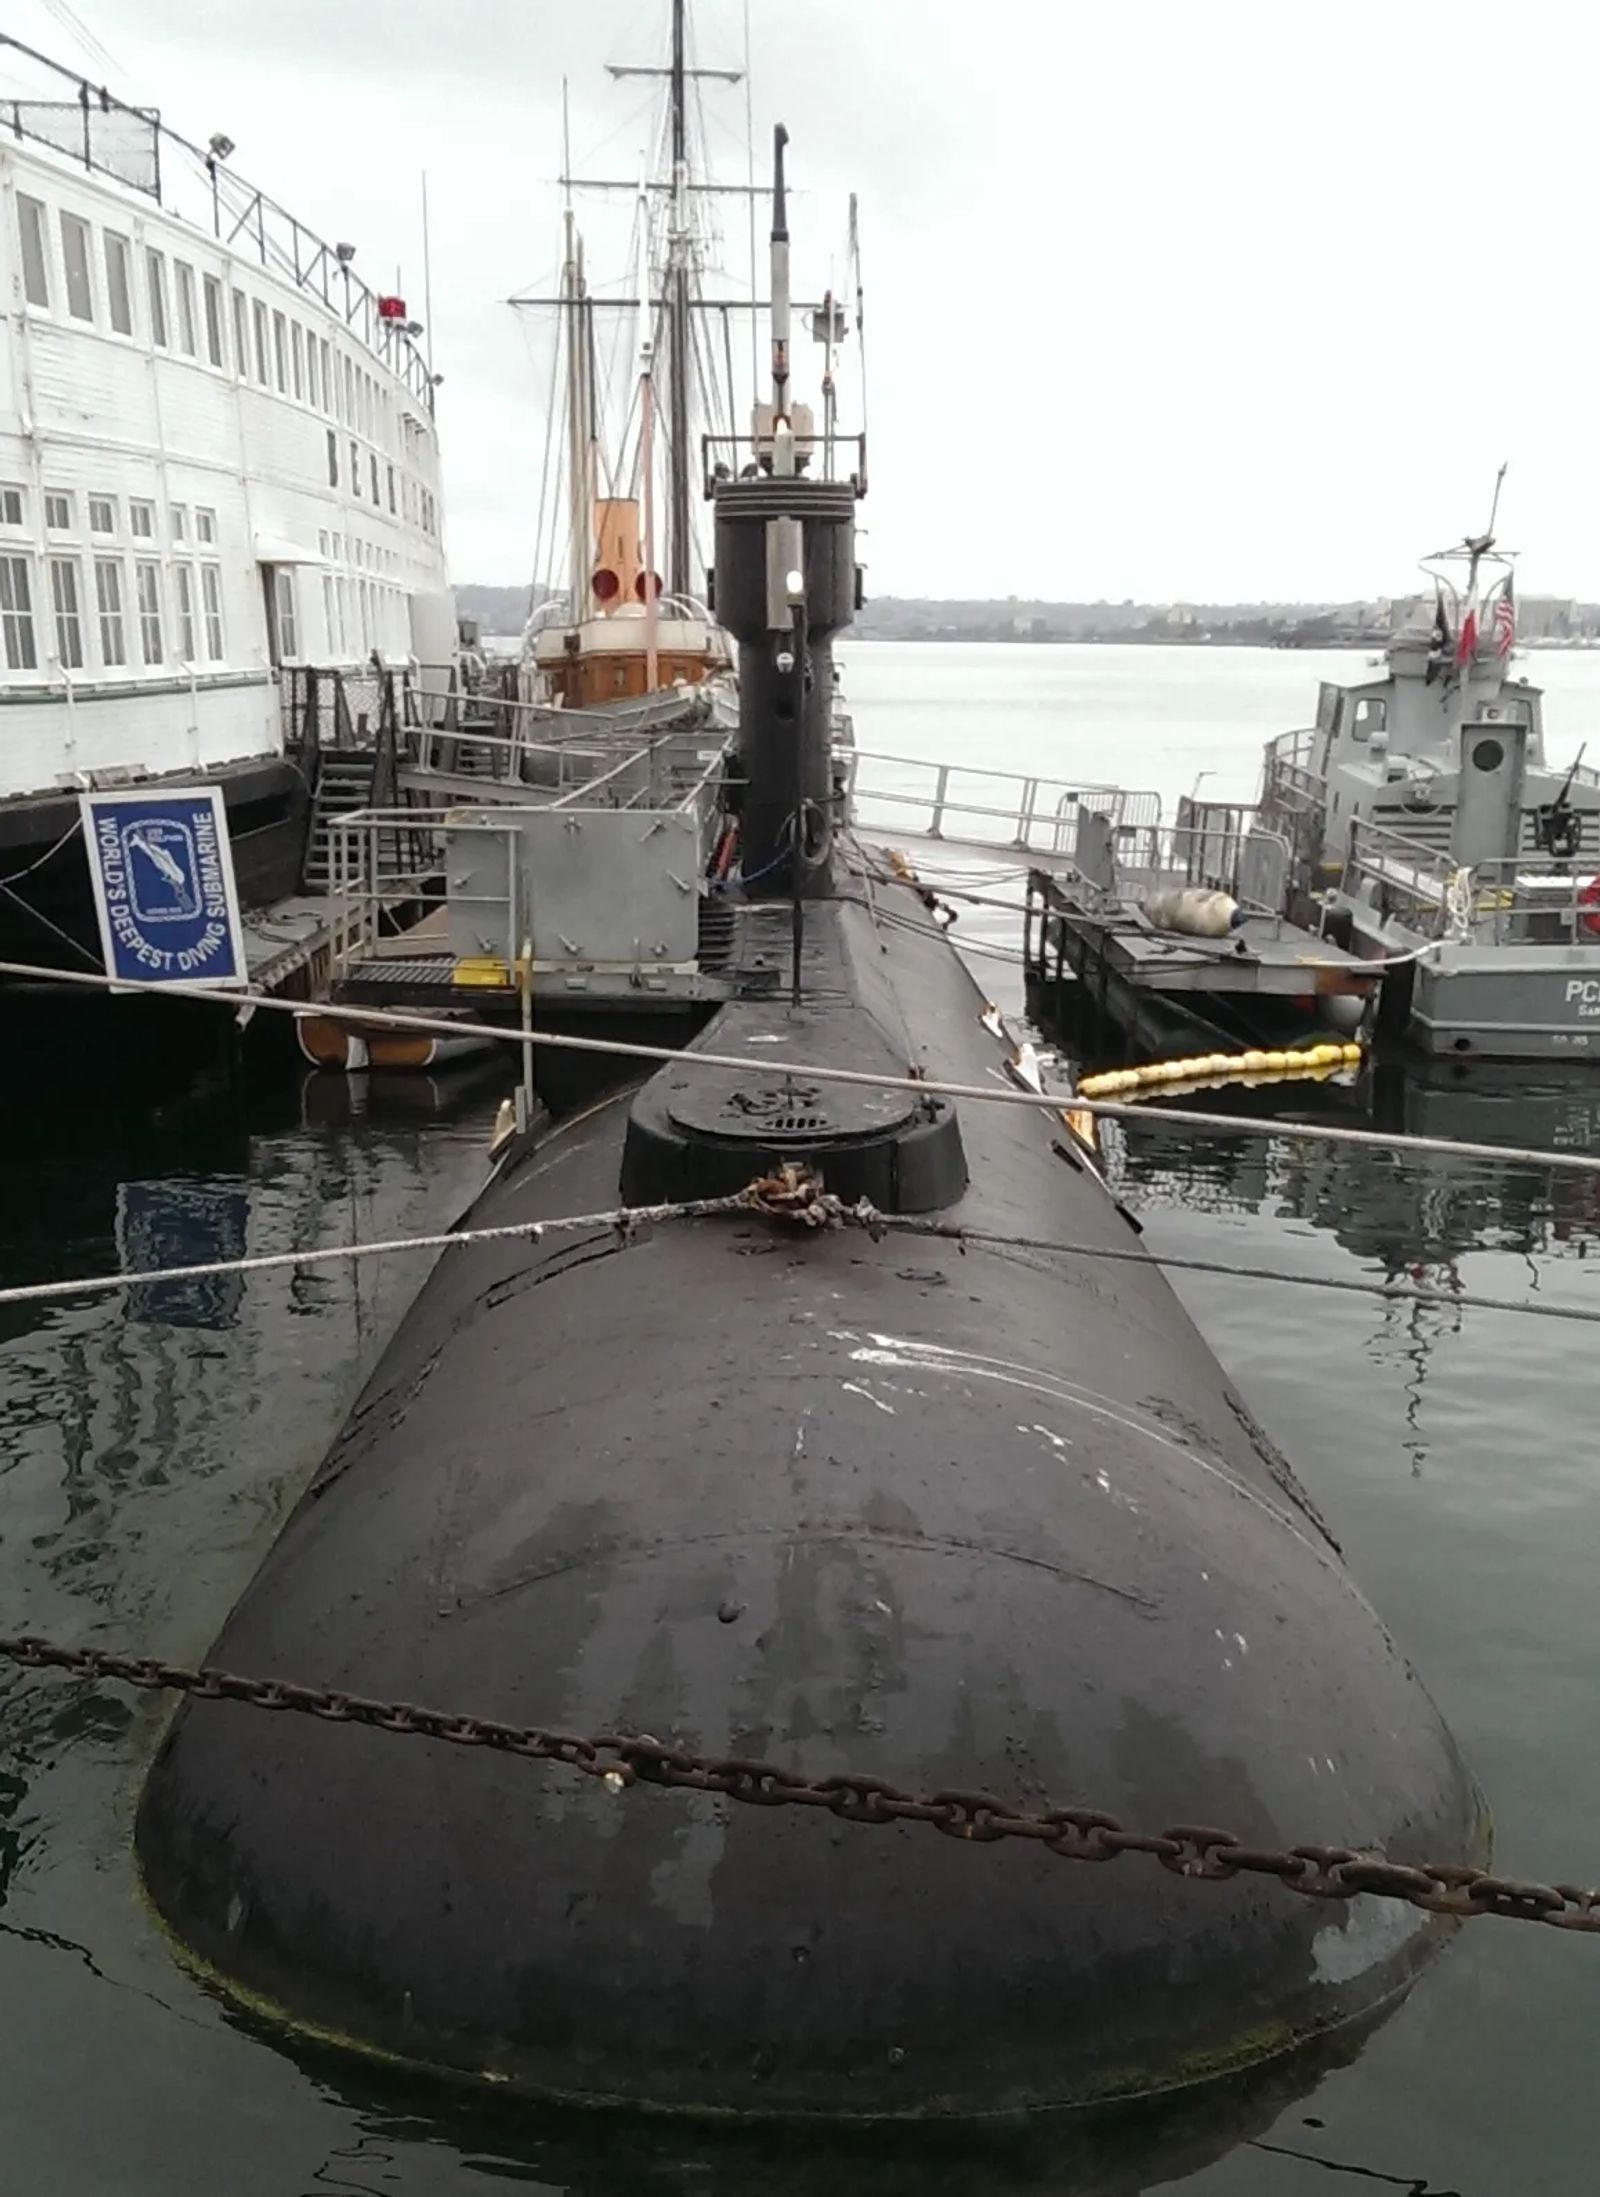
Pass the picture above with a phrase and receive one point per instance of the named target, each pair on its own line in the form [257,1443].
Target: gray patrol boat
[1427,830]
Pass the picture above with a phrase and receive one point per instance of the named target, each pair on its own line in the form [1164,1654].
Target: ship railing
[1287,778]
[136,148]
[1215,846]
[607,878]
[387,884]
[556,610]
[337,707]
[1510,900]
[1009,811]
[645,759]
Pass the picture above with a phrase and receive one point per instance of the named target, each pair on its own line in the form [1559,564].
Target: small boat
[327,1042]
[1426,829]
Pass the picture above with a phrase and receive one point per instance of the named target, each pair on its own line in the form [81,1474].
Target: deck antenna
[750,201]
[782,437]
[1494,508]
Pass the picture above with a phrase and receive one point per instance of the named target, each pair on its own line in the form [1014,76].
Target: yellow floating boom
[1312,1060]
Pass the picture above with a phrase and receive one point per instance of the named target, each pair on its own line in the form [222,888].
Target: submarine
[954,1515]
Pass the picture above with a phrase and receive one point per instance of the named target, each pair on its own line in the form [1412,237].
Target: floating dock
[1088,932]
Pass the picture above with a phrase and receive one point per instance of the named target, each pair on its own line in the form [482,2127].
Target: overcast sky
[1164,300]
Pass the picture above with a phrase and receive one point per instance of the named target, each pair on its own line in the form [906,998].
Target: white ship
[220,530]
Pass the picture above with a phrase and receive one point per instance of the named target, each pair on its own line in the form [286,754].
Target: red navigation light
[648,585]
[390,308]
[607,587]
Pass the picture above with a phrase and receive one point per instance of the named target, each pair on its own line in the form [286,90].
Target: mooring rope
[797,1198]
[384,1018]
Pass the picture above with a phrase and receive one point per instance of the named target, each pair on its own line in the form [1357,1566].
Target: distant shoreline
[1363,647]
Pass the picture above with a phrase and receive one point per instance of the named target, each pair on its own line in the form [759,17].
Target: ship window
[1370,716]
[287,624]
[147,593]
[213,297]
[205,523]
[241,337]
[280,351]
[178,522]
[141,519]
[75,259]
[58,510]
[211,597]
[68,614]
[183,597]
[391,488]
[263,370]
[108,603]
[349,414]
[119,289]
[156,267]
[10,506]
[297,352]
[35,253]
[373,465]
[184,278]
[327,374]
[355,469]
[328,614]
[333,459]
[322,542]
[102,514]
[16,614]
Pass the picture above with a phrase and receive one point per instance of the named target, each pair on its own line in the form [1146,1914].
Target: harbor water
[151,1443]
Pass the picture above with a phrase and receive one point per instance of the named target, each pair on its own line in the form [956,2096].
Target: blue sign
[162,870]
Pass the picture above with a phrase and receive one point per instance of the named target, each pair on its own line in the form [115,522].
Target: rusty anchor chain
[1201,1852]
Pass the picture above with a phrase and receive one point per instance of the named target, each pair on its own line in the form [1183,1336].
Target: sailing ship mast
[677,301]
[612,587]
[678,280]
[615,634]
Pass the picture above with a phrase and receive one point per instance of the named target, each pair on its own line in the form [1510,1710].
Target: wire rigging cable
[1383,1140]
[627,1221]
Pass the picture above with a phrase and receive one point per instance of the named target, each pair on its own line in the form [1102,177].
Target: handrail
[293,250]
[1027,817]
[1525,899]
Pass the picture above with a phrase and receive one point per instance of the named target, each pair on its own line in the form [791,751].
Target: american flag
[1505,621]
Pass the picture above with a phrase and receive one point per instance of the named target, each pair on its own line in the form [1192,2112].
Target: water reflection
[1115,2152]
[1411,1215]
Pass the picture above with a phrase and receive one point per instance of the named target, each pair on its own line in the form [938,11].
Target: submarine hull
[949,1517]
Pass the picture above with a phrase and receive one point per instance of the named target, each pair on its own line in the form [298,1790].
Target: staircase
[345,783]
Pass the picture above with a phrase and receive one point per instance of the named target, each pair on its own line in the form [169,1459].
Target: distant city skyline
[1163,303]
